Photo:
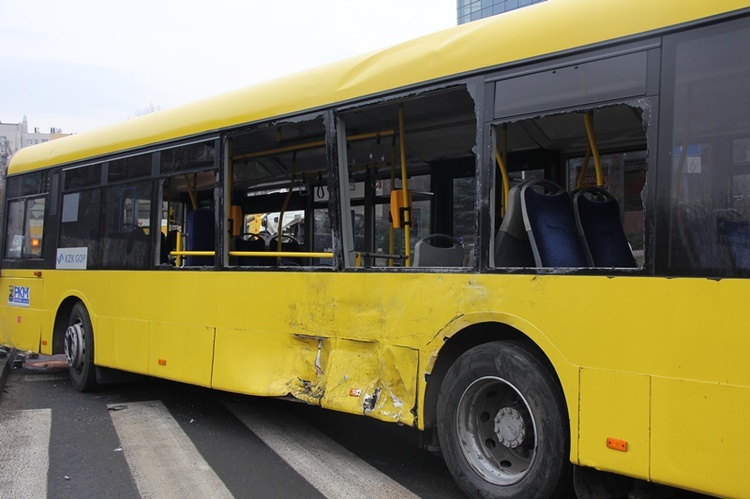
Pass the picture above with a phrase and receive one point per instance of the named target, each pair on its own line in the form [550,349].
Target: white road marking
[326,465]
[163,461]
[24,453]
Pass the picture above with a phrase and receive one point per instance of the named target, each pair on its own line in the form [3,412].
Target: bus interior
[279,200]
[293,197]
[284,168]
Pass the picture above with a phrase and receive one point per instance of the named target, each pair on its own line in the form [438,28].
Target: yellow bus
[526,236]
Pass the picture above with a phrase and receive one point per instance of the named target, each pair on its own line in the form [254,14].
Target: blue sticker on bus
[19,296]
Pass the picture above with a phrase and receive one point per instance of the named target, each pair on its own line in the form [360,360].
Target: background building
[471,10]
[14,136]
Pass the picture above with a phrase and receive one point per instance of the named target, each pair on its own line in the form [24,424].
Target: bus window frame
[474,85]
[663,245]
[648,102]
[155,177]
[50,180]
[159,176]
[226,182]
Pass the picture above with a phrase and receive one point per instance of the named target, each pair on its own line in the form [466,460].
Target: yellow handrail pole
[588,119]
[193,253]
[502,163]
[269,254]
[276,254]
[584,168]
[404,187]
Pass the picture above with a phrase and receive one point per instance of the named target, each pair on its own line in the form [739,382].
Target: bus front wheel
[79,349]
[502,425]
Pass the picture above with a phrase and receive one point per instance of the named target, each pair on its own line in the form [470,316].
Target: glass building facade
[471,10]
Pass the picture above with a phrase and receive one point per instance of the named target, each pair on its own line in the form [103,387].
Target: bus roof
[545,28]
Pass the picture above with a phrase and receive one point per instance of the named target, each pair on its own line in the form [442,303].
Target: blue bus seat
[551,225]
[428,255]
[598,217]
[512,246]
[200,229]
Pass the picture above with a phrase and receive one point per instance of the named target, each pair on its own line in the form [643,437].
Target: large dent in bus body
[369,361]
[374,379]
[398,324]
[359,375]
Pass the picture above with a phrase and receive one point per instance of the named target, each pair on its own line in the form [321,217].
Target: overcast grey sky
[82,64]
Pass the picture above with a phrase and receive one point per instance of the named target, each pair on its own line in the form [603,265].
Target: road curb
[5,365]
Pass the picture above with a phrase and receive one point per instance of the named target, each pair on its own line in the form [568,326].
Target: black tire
[502,423]
[79,349]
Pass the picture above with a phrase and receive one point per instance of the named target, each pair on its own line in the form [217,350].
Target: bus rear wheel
[502,427]
[79,349]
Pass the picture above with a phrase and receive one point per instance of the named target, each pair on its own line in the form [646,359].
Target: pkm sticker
[19,296]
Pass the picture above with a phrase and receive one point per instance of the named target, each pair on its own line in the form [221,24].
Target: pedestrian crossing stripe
[24,453]
[162,459]
[336,472]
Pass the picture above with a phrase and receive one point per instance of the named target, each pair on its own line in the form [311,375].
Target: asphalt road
[153,438]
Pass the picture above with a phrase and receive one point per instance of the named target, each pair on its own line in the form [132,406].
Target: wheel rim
[496,430]
[75,346]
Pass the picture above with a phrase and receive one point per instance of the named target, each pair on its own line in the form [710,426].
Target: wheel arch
[471,335]
[61,322]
